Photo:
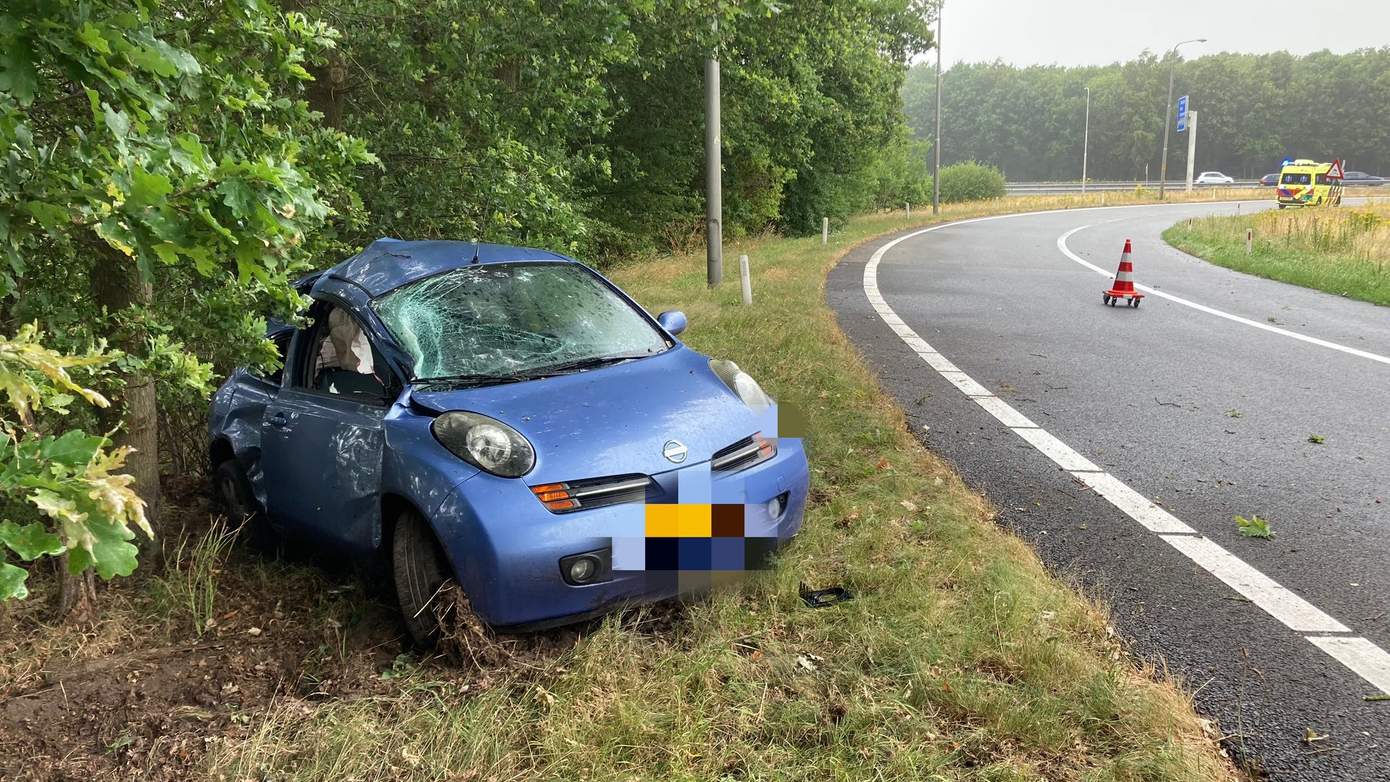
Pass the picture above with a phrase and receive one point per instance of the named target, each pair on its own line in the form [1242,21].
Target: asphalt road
[1206,416]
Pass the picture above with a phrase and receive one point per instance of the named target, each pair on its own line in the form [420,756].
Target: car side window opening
[343,358]
[282,347]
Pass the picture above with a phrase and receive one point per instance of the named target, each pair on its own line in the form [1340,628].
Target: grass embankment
[959,658]
[1343,250]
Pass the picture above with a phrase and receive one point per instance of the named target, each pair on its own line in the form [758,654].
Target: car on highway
[1362,179]
[1213,178]
[1269,180]
[503,417]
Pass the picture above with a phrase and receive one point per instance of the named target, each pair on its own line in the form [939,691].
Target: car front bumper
[505,547]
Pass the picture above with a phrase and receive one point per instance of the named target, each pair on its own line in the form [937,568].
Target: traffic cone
[1124,284]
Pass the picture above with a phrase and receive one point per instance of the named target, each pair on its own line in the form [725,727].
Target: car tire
[419,570]
[233,496]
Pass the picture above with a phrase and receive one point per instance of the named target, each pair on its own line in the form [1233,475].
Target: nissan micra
[502,417]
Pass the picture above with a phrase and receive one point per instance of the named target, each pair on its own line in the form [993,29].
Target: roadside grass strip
[959,658]
[1343,251]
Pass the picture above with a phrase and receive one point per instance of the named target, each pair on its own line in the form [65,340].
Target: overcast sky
[1097,32]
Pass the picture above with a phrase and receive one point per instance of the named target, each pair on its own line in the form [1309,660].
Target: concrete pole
[936,166]
[1086,140]
[714,189]
[1168,116]
[1167,120]
[1191,145]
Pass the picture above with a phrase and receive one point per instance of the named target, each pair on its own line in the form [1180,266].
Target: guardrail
[1048,188]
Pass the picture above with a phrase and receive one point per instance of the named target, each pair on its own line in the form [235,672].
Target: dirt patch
[141,694]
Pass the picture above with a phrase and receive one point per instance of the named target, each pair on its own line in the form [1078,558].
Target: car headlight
[740,383]
[485,443]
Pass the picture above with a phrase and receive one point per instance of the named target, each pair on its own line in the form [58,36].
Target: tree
[1254,109]
[157,151]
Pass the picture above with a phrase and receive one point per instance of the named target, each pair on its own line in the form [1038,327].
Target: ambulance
[1309,183]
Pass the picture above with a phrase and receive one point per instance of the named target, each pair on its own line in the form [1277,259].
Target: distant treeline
[1253,110]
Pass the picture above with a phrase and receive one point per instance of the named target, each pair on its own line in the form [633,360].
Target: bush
[971,181]
[901,173]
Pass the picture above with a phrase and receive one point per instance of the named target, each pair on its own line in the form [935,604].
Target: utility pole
[1086,140]
[1168,116]
[936,166]
[714,188]
[1191,145]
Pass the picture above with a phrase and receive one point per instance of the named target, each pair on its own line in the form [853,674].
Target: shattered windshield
[508,319]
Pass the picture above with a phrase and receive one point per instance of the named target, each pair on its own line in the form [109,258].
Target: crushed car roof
[387,264]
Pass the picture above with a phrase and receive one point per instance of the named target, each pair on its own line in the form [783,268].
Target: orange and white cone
[1123,288]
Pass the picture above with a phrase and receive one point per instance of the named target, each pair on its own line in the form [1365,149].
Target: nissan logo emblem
[674,451]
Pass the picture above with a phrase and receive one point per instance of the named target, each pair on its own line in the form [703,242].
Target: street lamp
[1086,140]
[936,142]
[1168,118]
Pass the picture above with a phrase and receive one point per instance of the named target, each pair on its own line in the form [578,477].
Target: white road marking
[1062,245]
[1055,449]
[1359,655]
[1134,504]
[1276,600]
[1006,414]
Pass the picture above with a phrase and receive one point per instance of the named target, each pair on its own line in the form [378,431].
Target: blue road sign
[1182,113]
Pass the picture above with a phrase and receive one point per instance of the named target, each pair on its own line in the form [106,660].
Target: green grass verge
[1343,251]
[960,658]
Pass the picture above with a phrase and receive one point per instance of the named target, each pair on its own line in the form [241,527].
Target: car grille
[743,454]
[571,496]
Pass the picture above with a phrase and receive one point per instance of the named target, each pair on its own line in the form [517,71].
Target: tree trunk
[117,286]
[325,92]
[77,595]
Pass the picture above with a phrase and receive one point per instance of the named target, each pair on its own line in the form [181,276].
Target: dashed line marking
[1062,245]
[1359,655]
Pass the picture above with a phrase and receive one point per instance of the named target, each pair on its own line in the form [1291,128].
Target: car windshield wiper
[472,379]
[581,364]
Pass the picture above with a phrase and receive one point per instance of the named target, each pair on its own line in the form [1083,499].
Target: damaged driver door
[322,437]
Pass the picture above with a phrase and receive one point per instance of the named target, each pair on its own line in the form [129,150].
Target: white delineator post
[825,230]
[909,209]
[747,281]
[1249,240]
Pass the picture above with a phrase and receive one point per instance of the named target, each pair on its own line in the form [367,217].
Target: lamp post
[1167,117]
[1086,140]
[936,166]
[714,184]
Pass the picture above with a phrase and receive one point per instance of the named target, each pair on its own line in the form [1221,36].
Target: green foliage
[85,509]
[166,153]
[1254,527]
[971,181]
[166,140]
[1254,110]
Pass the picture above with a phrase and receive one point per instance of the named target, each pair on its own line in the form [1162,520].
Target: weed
[188,586]
[1254,527]
[1316,439]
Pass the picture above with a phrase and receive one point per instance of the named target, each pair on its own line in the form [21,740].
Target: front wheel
[419,568]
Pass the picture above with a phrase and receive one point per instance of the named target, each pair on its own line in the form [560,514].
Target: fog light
[583,569]
[776,505]
[589,568]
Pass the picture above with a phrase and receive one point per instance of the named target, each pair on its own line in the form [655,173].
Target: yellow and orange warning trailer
[1123,287]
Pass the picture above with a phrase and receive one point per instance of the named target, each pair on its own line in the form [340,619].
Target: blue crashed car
[503,417]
